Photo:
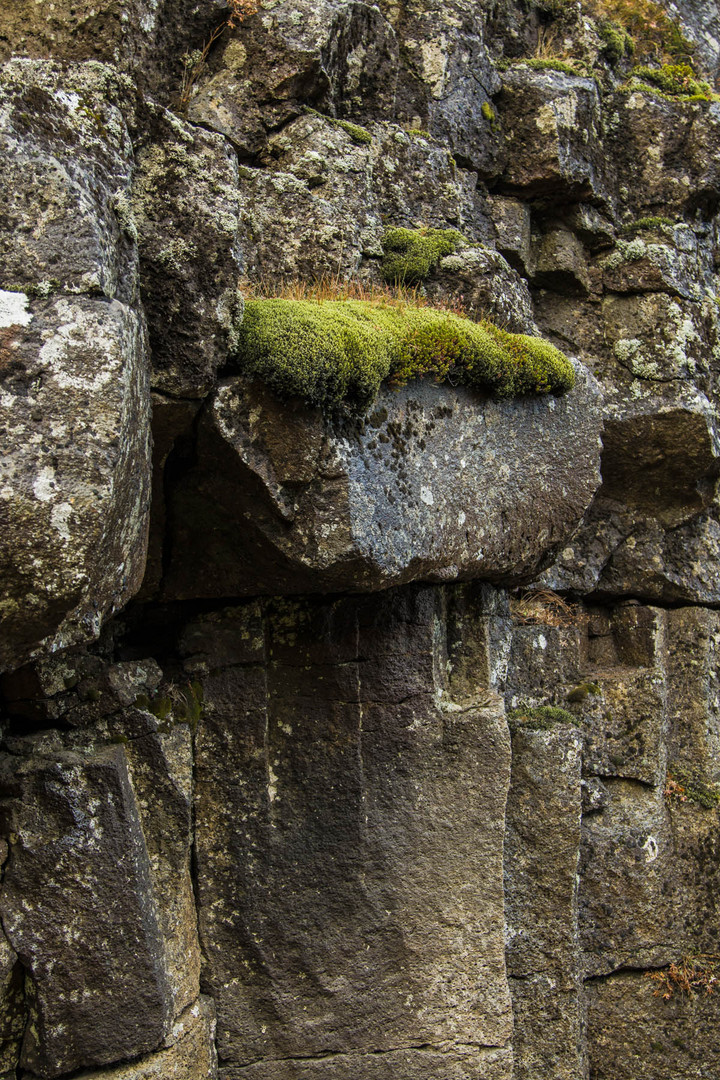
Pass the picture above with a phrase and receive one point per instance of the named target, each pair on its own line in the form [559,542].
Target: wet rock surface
[285,794]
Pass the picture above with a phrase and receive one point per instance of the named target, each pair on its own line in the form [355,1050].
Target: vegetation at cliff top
[410,254]
[639,27]
[540,718]
[673,80]
[336,352]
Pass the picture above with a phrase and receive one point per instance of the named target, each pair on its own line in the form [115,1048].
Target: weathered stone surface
[73,369]
[350,879]
[694,692]
[189,1054]
[161,773]
[635,1036]
[542,848]
[652,530]
[75,491]
[12,1008]
[415,1063]
[78,909]
[185,204]
[460,488]
[295,54]
[320,206]
[65,173]
[554,128]
[661,152]
[486,287]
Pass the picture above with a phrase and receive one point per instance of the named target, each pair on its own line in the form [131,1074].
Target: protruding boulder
[436,483]
[75,477]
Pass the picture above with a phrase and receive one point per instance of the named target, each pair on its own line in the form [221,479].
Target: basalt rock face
[339,746]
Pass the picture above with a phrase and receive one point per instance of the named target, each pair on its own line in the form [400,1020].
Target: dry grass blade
[546,608]
[330,288]
[689,976]
[194,63]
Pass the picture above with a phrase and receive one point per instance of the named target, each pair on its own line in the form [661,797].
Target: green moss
[565,67]
[419,133]
[693,790]
[410,254]
[581,691]
[180,705]
[337,352]
[647,224]
[488,114]
[674,80]
[540,718]
[617,42]
[359,135]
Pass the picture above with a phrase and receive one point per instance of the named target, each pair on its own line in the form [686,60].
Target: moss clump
[177,705]
[410,254]
[488,113]
[647,224]
[359,135]
[337,352]
[674,80]
[565,67]
[682,786]
[419,133]
[540,718]
[617,42]
[581,691]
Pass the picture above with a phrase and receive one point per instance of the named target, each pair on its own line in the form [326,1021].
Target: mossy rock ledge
[435,483]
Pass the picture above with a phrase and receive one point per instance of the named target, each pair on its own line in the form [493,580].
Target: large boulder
[435,483]
[74,401]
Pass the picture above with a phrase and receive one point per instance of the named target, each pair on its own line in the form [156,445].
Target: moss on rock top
[337,352]
[410,254]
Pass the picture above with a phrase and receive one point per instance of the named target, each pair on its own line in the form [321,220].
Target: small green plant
[694,974]
[617,42]
[359,135]
[488,113]
[682,787]
[175,705]
[410,254]
[582,691]
[336,353]
[673,80]
[647,224]
[539,718]
[419,133]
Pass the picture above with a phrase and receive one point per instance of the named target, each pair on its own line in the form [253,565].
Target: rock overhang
[435,483]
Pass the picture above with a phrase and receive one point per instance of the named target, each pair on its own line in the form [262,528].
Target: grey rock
[338,872]
[635,1036]
[65,171]
[661,151]
[78,909]
[554,128]
[415,1063]
[185,206]
[460,489]
[189,1052]
[75,491]
[486,287]
[542,847]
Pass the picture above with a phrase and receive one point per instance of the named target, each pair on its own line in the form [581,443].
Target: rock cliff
[372,741]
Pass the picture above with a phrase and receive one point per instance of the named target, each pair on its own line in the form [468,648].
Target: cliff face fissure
[359,691]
